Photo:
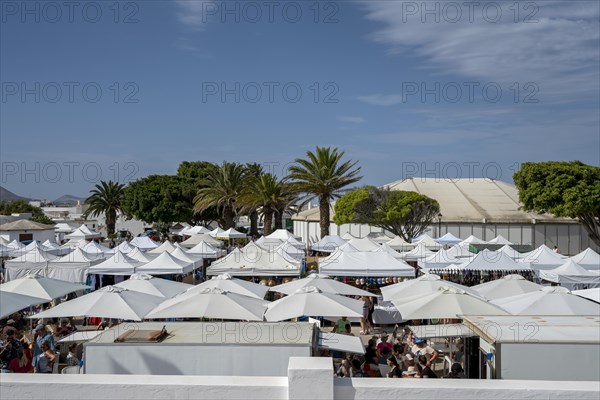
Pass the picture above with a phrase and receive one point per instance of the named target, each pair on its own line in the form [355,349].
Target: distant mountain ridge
[7,195]
[68,199]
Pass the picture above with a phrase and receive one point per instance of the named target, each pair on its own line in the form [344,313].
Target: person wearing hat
[422,348]
[11,347]
[456,372]
[411,372]
[41,335]
[384,344]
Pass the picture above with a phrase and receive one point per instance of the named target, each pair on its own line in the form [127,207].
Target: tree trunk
[253,223]
[228,217]
[592,225]
[279,219]
[268,222]
[111,218]
[324,213]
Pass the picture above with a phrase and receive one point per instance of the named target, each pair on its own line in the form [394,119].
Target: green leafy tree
[403,213]
[21,206]
[221,188]
[563,189]
[323,175]
[107,198]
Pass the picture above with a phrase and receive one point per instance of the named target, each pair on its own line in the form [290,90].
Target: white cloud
[559,52]
[353,120]
[191,13]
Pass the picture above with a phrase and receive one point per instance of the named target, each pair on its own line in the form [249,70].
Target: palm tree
[268,195]
[107,198]
[221,188]
[323,175]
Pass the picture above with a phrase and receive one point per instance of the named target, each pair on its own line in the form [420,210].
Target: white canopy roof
[364,244]
[328,243]
[230,234]
[216,232]
[34,256]
[41,287]
[472,240]
[166,264]
[194,230]
[154,286]
[588,259]
[140,256]
[487,260]
[361,263]
[571,275]
[440,259]
[80,256]
[15,244]
[544,258]
[98,250]
[143,243]
[428,242]
[321,282]
[194,259]
[550,300]
[509,285]
[124,247]
[253,260]
[281,234]
[165,246]
[499,240]
[509,251]
[397,243]
[83,232]
[420,251]
[459,251]
[230,284]
[201,237]
[348,236]
[387,249]
[206,250]
[591,294]
[13,302]
[427,283]
[448,238]
[118,264]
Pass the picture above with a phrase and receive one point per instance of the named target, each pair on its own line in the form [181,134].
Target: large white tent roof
[165,246]
[499,240]
[428,242]
[328,243]
[420,251]
[588,259]
[118,264]
[364,244]
[570,274]
[281,234]
[448,238]
[471,240]
[397,243]
[206,250]
[143,243]
[543,258]
[487,260]
[364,263]
[166,264]
[550,300]
[253,260]
[201,237]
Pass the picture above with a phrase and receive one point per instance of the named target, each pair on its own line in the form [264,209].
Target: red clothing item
[382,345]
[13,366]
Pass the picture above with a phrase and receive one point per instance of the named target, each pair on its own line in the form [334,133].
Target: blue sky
[400,92]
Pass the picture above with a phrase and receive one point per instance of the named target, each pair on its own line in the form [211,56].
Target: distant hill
[68,199]
[7,195]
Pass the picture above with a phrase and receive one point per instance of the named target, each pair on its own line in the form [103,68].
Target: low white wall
[308,378]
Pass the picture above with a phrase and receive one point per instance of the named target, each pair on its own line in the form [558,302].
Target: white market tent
[471,240]
[440,259]
[379,237]
[230,234]
[290,252]
[321,282]
[508,285]
[424,284]
[348,236]
[199,238]
[448,239]
[252,260]
[550,300]
[34,262]
[194,230]
[387,249]
[364,263]
[460,251]
[16,245]
[572,276]
[428,242]
[143,243]
[228,283]
[281,234]
[107,302]
[118,264]
[154,286]
[124,247]
[328,243]
[364,244]
[141,256]
[41,287]
[543,258]
[94,248]
[487,260]
[13,302]
[74,266]
[206,250]
[509,251]
[83,232]
[446,302]
[499,240]
[419,252]
[397,243]
[194,259]
[591,294]
[216,232]
[5,251]
[166,264]
[588,259]
[165,246]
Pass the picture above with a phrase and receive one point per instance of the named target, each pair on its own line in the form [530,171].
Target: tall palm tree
[323,175]
[268,195]
[106,198]
[221,188]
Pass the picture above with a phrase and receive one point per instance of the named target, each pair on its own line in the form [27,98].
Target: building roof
[465,200]
[25,225]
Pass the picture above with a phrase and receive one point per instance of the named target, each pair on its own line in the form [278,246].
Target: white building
[24,229]
[482,207]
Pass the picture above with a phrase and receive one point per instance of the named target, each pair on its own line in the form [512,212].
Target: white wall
[41,236]
[308,378]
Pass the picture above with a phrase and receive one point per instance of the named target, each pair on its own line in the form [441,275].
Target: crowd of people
[23,350]
[404,356]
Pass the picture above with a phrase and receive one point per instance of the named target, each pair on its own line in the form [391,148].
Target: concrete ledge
[133,387]
[449,389]
[310,378]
